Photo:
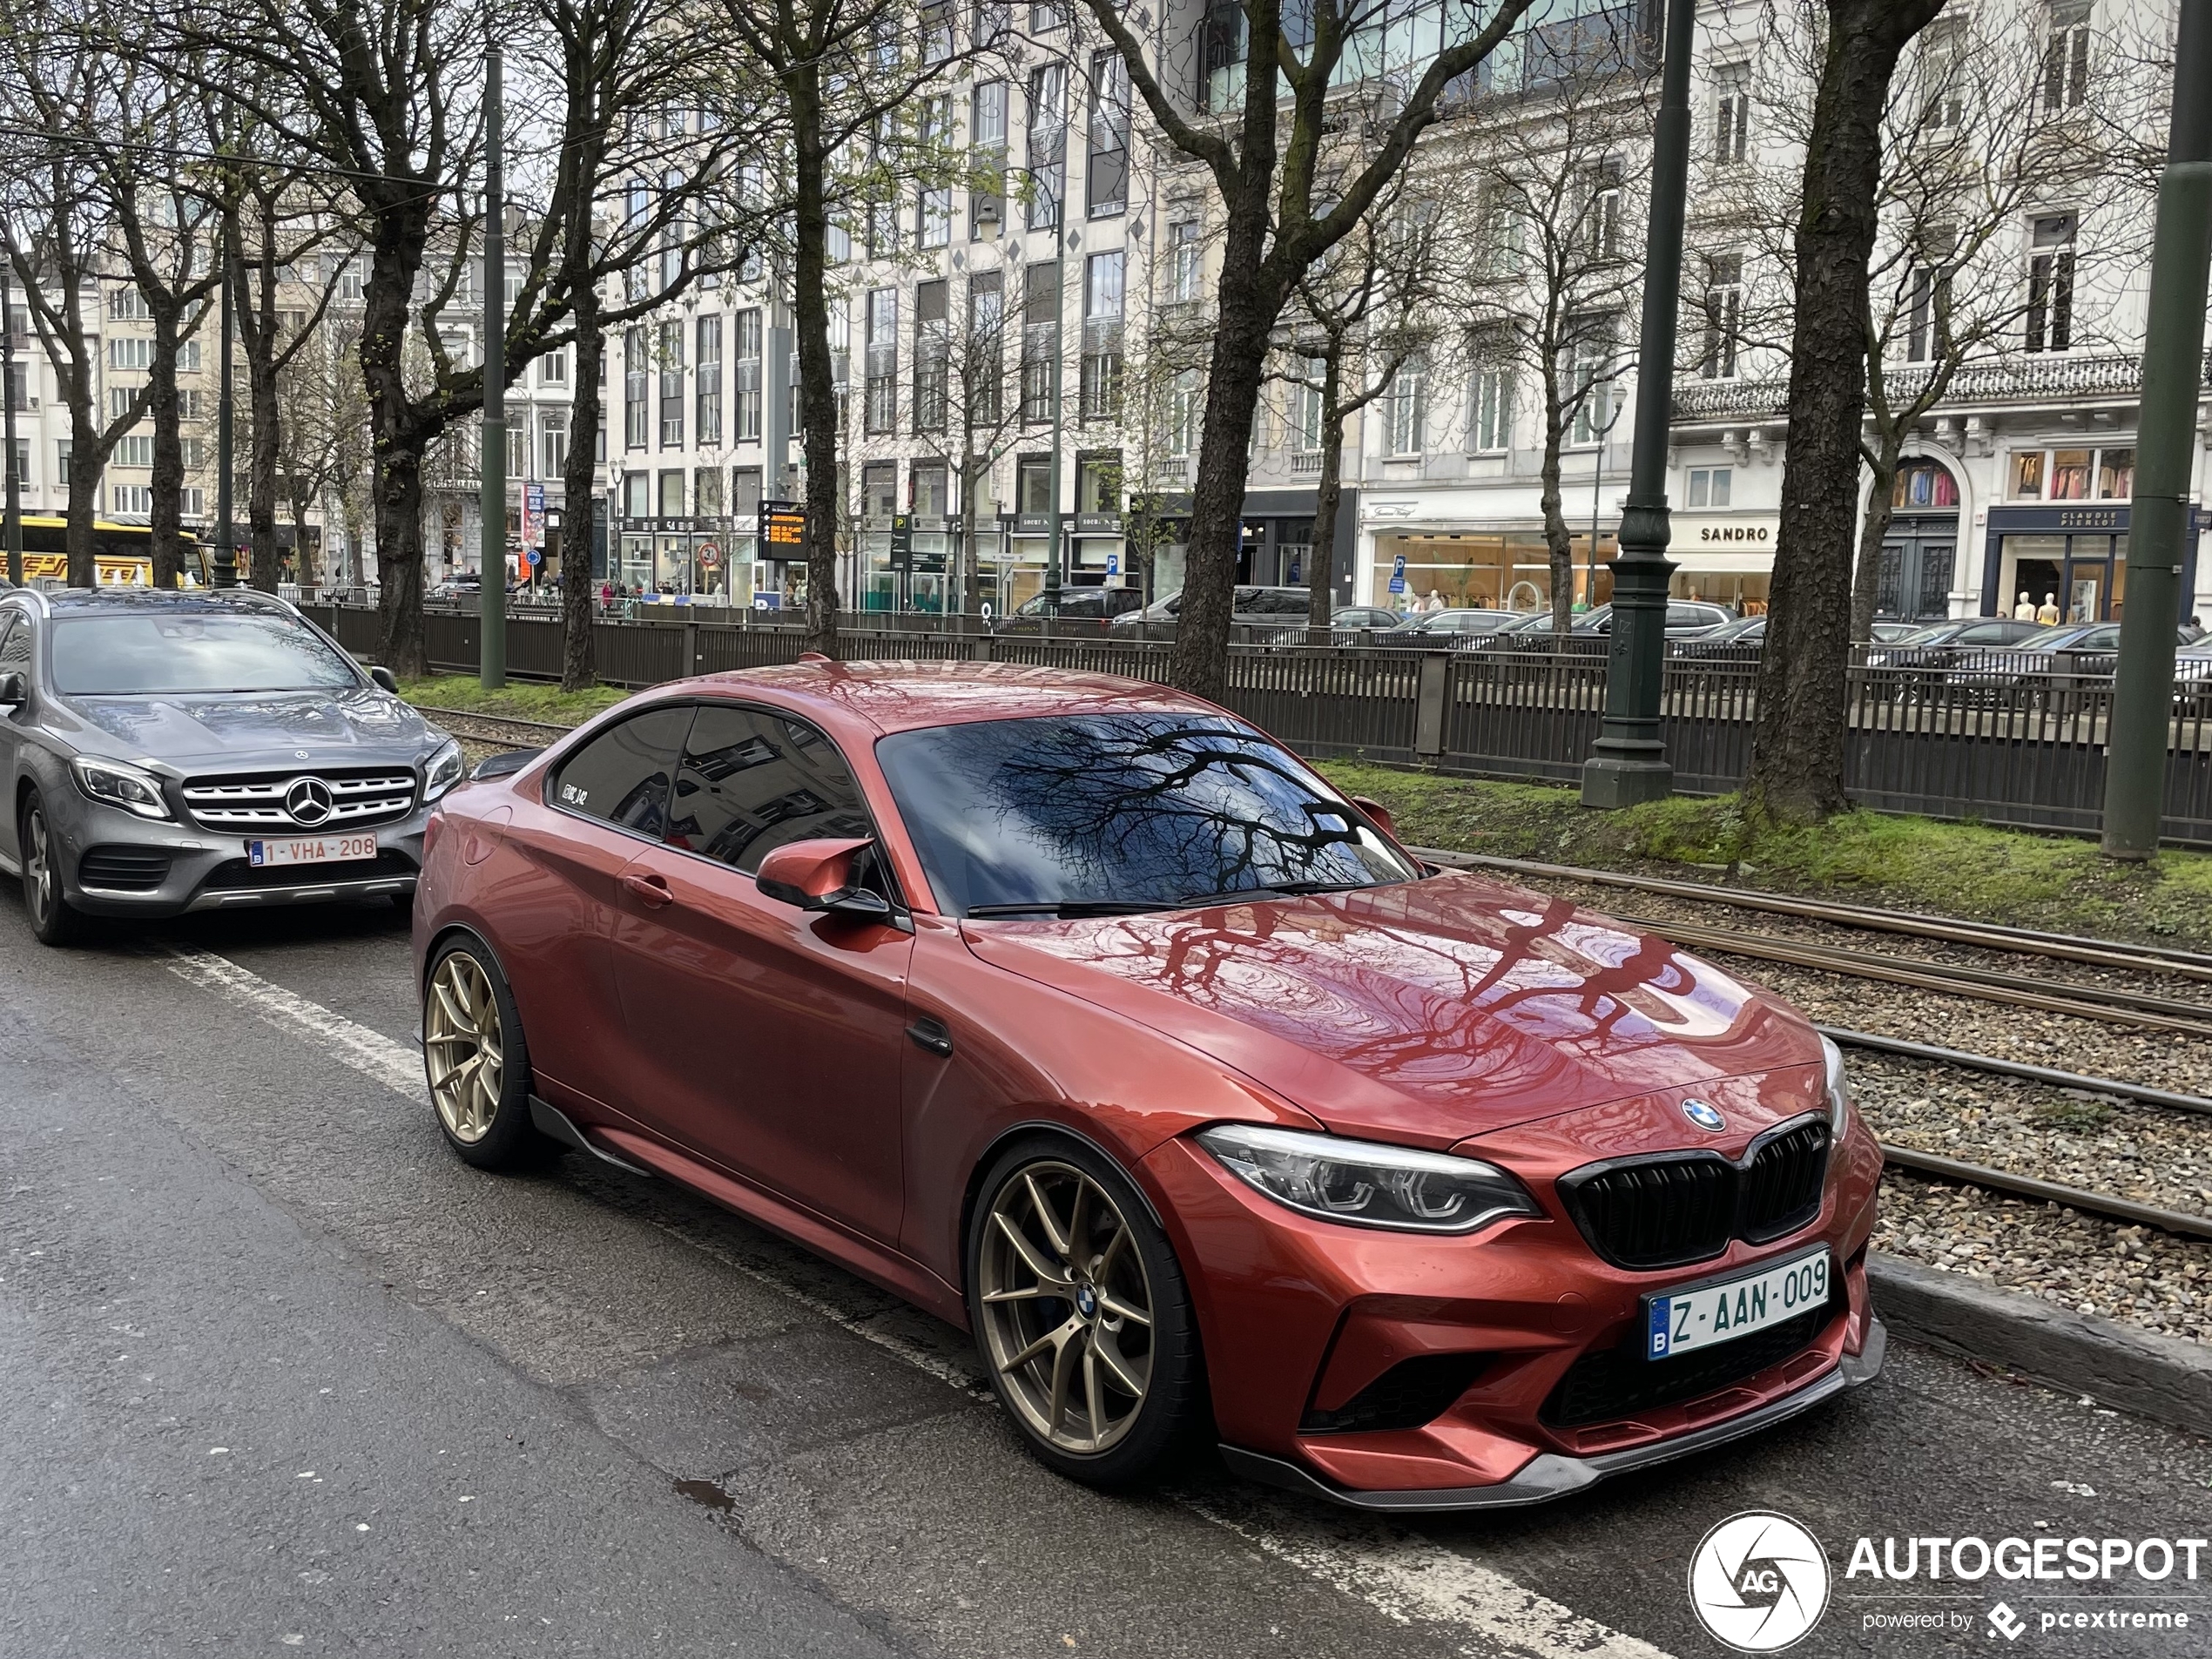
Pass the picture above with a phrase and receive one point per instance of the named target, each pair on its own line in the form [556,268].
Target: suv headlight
[113,784]
[1838,1089]
[442,772]
[1367,1184]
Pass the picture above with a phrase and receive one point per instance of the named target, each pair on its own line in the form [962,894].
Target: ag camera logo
[1758,1581]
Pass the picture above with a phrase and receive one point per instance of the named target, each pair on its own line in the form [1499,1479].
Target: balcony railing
[2042,377]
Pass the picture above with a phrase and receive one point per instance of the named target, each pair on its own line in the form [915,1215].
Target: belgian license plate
[312,849]
[1705,1314]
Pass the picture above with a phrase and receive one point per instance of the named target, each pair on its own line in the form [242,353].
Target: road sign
[1398,574]
[902,542]
[783,528]
[1113,565]
[533,557]
[709,555]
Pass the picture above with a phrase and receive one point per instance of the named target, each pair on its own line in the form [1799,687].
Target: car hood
[245,730]
[1422,1013]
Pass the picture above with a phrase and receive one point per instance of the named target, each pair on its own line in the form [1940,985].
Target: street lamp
[492,588]
[1054,544]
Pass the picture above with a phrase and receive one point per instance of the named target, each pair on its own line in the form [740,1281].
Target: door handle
[932,1035]
[649,888]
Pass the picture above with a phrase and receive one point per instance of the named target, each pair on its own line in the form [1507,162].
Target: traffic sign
[533,557]
[709,555]
[783,528]
[1398,574]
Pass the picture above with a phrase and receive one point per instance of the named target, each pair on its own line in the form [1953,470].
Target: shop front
[2070,559]
[1724,558]
[1482,570]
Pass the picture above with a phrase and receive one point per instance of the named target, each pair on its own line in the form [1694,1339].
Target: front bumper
[209,869]
[1550,1474]
[1309,1327]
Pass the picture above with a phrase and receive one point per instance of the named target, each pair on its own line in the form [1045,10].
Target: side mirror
[818,875]
[1377,811]
[382,675]
[12,691]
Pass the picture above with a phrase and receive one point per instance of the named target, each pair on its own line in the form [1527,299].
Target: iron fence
[2022,744]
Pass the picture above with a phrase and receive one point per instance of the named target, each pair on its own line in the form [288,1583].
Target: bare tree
[1293,182]
[1797,768]
[54,94]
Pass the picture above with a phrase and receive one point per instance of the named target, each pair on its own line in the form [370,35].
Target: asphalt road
[278,1372]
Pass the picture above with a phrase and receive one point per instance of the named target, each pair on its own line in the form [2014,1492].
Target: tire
[1128,1294]
[469,1028]
[54,920]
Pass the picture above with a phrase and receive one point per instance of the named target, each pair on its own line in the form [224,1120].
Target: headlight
[1838,1089]
[443,771]
[116,784]
[1366,1184]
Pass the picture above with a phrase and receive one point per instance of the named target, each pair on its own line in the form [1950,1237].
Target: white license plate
[312,849]
[1704,1314]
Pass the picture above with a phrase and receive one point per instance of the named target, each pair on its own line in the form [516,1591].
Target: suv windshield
[1103,812]
[148,652]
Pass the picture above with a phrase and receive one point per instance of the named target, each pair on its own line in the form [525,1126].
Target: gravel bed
[2147,1278]
[1664,908]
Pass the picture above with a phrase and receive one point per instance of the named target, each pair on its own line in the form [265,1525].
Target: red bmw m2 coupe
[1082,1014]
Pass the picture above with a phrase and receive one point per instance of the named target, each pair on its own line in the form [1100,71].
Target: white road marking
[371,1053]
[1401,1575]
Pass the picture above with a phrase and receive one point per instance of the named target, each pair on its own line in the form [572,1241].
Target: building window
[192,405]
[131,355]
[1732,113]
[880,489]
[127,305]
[748,376]
[1602,214]
[2065,58]
[707,380]
[987,140]
[192,502]
[1185,410]
[633,389]
[1589,377]
[194,451]
[1927,301]
[669,348]
[188,356]
[553,368]
[1045,16]
[983,359]
[706,491]
[1098,483]
[1492,425]
[880,412]
[927,481]
[518,447]
[744,490]
[1186,261]
[353,282]
[1106,178]
[135,451]
[1405,408]
[1923,484]
[993,21]
[136,499]
[1034,487]
[553,443]
[1221,56]
[1040,339]
[936,32]
[1102,365]
[1048,144]
[1724,316]
[1710,486]
[671,495]
[1309,395]
[1505,240]
[932,354]
[1943,76]
[2050,283]
[2068,475]
[934,203]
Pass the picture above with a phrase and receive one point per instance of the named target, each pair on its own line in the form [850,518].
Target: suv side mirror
[818,875]
[382,675]
[11,690]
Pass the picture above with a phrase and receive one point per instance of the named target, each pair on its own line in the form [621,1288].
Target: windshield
[2048,638]
[151,651]
[1933,635]
[1105,812]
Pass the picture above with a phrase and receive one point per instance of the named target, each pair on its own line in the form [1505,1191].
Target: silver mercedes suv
[170,752]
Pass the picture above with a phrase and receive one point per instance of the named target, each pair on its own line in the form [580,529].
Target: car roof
[68,601]
[887,696]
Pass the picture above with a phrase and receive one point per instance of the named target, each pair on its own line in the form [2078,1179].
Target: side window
[15,645]
[622,776]
[753,781]
[1988,634]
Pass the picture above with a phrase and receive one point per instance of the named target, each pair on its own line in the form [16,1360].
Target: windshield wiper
[1068,909]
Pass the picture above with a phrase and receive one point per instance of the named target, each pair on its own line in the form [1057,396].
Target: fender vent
[1412,1393]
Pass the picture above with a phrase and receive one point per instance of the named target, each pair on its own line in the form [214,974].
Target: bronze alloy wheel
[460,1046]
[1067,1307]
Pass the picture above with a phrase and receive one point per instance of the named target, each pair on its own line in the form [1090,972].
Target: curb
[2138,1372]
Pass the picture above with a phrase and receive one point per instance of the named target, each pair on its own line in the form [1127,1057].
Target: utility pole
[1056,546]
[1629,762]
[225,414]
[492,586]
[14,529]
[2158,524]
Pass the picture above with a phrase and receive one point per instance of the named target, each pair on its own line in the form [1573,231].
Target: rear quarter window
[622,777]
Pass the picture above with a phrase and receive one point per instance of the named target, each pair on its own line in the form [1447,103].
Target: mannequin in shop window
[2047,614]
[2025,611]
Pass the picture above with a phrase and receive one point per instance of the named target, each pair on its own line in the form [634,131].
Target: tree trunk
[399,562]
[1867,584]
[85,463]
[1558,539]
[166,539]
[817,390]
[1321,560]
[265,437]
[1249,306]
[398,441]
[1796,773]
[579,513]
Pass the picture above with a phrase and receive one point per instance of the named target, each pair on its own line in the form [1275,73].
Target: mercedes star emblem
[309,801]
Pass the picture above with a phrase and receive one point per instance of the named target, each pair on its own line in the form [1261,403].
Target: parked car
[2047,662]
[1449,629]
[1888,632]
[168,752]
[1347,618]
[1739,640]
[1940,643]
[1252,608]
[1590,630]
[1082,611]
[1085,1016]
